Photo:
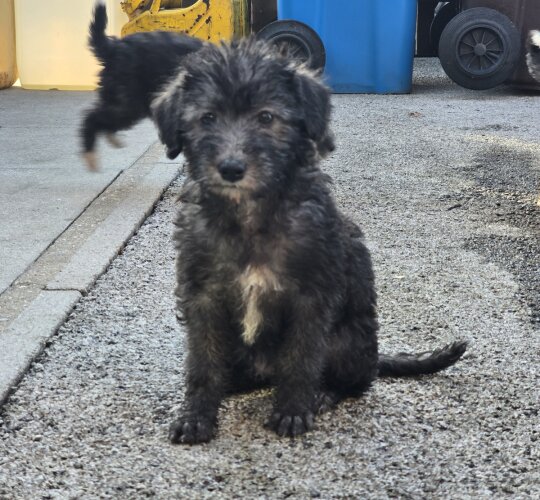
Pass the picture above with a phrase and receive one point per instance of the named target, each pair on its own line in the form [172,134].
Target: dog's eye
[208,118]
[265,117]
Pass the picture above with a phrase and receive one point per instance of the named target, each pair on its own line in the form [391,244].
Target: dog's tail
[98,40]
[533,54]
[409,365]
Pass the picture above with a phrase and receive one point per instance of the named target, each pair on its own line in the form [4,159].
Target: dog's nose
[232,170]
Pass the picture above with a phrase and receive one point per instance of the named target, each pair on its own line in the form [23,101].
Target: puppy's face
[245,117]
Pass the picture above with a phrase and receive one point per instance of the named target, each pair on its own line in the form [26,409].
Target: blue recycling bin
[369,43]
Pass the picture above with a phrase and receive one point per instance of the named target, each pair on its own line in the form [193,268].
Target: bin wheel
[479,48]
[443,15]
[302,42]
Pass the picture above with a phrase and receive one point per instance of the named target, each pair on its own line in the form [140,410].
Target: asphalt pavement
[444,183]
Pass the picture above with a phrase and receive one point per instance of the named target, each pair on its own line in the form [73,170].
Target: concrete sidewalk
[60,224]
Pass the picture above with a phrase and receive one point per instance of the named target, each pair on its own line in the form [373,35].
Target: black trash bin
[484,44]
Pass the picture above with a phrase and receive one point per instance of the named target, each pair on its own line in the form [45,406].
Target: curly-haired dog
[134,69]
[275,285]
[533,54]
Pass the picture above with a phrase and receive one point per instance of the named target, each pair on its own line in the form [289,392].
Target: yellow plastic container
[211,20]
[52,42]
[8,64]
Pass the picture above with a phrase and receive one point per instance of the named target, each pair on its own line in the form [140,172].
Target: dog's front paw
[288,424]
[192,429]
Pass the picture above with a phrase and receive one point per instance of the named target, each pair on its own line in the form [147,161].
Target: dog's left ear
[166,113]
[314,99]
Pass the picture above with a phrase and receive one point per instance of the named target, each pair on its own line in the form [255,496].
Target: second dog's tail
[533,54]
[98,40]
[408,365]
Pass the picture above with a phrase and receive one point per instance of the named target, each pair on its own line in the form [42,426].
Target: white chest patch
[255,282]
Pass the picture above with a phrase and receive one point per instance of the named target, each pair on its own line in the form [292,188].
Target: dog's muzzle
[232,170]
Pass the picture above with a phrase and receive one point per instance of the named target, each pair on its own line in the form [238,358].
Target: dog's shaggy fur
[275,285]
[533,54]
[134,70]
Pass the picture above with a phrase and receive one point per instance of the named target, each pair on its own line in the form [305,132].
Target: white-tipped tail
[533,54]
[534,37]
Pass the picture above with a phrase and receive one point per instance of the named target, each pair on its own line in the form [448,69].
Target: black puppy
[134,69]
[274,283]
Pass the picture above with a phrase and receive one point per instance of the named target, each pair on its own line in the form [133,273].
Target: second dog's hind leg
[102,120]
[113,140]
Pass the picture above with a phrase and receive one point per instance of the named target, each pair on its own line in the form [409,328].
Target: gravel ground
[444,183]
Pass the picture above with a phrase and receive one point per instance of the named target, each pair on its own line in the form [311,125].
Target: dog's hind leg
[88,134]
[352,355]
[113,140]
[102,120]
[352,360]
[327,400]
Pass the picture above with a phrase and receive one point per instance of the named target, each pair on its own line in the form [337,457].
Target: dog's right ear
[166,112]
